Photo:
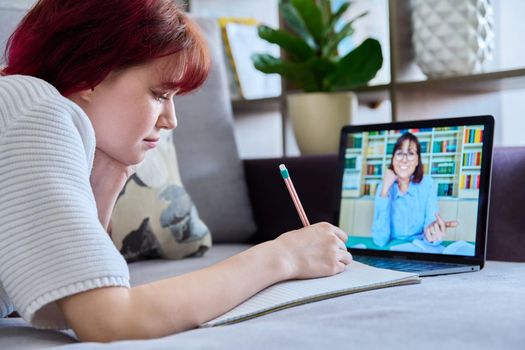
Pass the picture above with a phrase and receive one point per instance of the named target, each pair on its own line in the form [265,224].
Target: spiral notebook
[356,278]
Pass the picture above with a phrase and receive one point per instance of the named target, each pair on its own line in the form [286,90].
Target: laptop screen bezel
[484,190]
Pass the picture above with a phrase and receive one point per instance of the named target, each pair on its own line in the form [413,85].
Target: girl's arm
[180,303]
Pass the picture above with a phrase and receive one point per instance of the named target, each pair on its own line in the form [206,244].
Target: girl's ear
[82,97]
[86,95]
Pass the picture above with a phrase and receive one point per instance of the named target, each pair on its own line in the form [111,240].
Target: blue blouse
[405,215]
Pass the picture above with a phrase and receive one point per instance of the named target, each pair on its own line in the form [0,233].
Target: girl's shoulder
[39,107]
[24,94]
[27,84]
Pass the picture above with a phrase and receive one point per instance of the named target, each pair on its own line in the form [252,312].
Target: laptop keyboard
[403,265]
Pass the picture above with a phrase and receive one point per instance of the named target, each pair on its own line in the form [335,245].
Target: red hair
[74,44]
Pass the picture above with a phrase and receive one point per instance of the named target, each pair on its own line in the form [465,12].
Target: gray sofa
[245,202]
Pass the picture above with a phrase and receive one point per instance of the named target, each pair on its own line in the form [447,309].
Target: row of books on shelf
[374,169]
[355,142]
[442,146]
[447,128]
[370,189]
[437,168]
[469,182]
[375,149]
[445,146]
[412,131]
[443,168]
[353,163]
[424,147]
[472,159]
[445,189]
[473,136]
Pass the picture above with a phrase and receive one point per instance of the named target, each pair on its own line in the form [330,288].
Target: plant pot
[317,119]
[452,37]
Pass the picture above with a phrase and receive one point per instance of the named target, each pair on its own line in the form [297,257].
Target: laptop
[414,196]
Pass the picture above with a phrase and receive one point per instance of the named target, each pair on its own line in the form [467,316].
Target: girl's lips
[152,143]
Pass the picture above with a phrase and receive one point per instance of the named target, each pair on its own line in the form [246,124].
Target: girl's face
[128,109]
[405,160]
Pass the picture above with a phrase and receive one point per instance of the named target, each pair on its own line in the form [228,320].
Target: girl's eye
[161,96]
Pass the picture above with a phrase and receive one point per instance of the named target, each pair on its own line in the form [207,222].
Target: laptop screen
[413,189]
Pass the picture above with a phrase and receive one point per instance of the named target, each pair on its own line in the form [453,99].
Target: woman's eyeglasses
[400,154]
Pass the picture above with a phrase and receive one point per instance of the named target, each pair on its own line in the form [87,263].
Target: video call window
[413,190]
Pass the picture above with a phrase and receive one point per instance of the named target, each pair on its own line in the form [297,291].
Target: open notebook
[358,277]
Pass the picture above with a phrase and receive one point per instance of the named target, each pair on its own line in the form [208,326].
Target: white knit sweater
[51,242]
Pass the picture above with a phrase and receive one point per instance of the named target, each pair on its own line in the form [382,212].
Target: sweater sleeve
[431,209]
[52,243]
[381,223]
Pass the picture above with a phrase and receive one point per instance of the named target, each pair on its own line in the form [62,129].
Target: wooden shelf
[270,103]
[375,94]
[369,95]
[482,82]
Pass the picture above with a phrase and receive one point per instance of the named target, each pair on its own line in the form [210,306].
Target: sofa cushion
[209,163]
[479,310]
[505,236]
[154,216]
[146,271]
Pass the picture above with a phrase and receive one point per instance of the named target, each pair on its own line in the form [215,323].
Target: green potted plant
[313,64]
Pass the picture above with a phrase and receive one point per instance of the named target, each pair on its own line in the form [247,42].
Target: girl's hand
[107,168]
[438,228]
[388,180]
[315,251]
[107,179]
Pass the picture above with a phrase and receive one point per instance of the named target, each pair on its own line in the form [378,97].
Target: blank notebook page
[357,277]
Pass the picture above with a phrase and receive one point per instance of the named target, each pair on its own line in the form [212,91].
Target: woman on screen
[406,204]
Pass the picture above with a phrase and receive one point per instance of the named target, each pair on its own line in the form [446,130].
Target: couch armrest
[314,178]
[506,227]
[273,209]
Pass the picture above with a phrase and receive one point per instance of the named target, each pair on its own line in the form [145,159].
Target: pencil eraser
[284,171]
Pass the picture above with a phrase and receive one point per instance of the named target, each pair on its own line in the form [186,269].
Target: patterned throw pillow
[154,216]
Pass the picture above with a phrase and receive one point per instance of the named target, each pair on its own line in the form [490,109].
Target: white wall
[17,3]
[511,56]
[266,11]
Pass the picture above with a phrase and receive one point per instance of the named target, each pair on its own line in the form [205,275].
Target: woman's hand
[438,228]
[107,179]
[315,251]
[388,180]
